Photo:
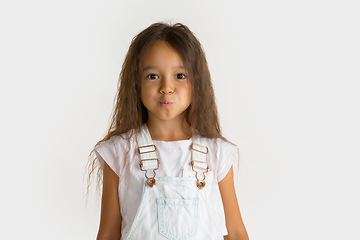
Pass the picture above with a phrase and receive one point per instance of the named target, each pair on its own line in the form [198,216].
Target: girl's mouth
[165,104]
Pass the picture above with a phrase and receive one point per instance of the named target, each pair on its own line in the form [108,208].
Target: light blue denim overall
[175,207]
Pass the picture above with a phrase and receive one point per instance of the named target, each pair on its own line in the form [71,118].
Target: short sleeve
[106,152]
[227,154]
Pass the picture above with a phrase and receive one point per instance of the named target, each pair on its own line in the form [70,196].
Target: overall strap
[198,154]
[149,161]
[146,149]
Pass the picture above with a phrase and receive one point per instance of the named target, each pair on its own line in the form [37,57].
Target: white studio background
[285,74]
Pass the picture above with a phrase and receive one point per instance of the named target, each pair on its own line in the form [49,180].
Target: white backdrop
[286,78]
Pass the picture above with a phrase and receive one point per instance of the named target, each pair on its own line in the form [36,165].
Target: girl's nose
[167,91]
[167,87]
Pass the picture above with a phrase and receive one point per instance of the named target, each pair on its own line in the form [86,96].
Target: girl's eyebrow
[153,67]
[148,67]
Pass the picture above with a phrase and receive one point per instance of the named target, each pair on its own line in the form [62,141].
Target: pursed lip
[165,103]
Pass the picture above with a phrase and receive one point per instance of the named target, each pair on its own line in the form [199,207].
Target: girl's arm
[234,224]
[110,219]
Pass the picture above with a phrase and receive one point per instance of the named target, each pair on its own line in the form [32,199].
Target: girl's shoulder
[114,150]
[120,140]
[221,144]
[222,155]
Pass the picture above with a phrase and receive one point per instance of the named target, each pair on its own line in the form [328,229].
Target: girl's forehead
[161,52]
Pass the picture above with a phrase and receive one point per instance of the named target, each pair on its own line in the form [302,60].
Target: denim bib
[174,207]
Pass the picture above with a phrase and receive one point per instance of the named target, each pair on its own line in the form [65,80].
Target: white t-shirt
[120,153]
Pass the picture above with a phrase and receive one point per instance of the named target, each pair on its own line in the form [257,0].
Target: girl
[167,170]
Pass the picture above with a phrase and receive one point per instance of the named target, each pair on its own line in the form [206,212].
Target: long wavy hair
[129,112]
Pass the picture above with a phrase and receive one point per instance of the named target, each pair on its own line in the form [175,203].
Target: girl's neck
[169,132]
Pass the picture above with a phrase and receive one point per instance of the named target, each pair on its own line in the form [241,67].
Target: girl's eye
[180,76]
[152,76]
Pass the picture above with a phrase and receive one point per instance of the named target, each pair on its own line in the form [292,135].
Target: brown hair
[129,112]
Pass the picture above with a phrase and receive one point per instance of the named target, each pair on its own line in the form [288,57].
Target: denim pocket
[177,217]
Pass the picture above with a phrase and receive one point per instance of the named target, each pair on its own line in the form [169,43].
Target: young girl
[167,170]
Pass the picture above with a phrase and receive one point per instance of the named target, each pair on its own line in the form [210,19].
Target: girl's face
[165,86]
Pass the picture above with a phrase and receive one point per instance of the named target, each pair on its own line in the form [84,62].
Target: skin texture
[110,219]
[234,223]
[164,79]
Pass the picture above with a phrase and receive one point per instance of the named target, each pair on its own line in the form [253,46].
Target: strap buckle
[199,148]
[200,183]
[143,148]
[150,180]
